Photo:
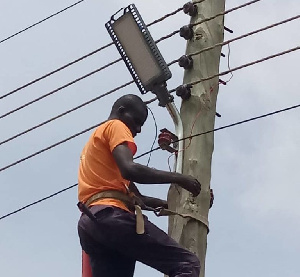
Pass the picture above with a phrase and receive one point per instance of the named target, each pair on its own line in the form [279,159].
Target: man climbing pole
[110,232]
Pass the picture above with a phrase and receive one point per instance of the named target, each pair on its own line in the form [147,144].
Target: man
[107,165]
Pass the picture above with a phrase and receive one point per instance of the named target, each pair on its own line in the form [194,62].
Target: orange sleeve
[116,133]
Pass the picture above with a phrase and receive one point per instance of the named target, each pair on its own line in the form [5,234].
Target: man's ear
[121,109]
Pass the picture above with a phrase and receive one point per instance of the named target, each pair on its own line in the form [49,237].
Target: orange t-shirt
[98,170]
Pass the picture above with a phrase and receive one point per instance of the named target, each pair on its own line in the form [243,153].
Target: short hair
[128,101]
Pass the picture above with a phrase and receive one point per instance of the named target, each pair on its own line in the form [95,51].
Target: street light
[145,63]
[140,53]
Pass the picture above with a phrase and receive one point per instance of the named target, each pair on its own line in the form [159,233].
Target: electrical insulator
[186,32]
[165,138]
[186,62]
[190,9]
[184,91]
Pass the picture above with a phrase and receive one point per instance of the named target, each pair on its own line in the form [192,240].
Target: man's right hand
[191,184]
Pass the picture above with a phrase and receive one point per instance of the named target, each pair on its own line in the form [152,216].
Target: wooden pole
[199,110]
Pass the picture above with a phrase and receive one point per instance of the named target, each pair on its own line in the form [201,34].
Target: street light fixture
[140,53]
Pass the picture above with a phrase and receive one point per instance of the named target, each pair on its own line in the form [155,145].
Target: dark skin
[133,112]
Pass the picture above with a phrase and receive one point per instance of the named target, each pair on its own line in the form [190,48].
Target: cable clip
[165,138]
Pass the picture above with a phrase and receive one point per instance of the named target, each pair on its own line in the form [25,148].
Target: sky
[255,220]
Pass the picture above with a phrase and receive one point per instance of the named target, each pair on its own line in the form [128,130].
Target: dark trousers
[114,246]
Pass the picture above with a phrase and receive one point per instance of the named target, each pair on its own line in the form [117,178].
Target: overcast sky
[255,221]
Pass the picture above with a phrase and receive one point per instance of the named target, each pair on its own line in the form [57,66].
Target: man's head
[132,111]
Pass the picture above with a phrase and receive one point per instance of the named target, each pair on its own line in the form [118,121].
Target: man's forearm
[145,175]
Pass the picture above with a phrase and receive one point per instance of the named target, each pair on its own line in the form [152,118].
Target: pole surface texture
[198,115]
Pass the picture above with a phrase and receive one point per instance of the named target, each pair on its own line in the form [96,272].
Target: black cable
[66,112]
[86,55]
[169,64]
[39,22]
[148,102]
[60,88]
[155,137]
[146,153]
[38,201]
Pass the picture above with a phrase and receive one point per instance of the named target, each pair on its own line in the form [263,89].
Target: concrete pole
[191,233]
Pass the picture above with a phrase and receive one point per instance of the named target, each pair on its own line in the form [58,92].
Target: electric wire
[58,89]
[148,102]
[244,66]
[99,69]
[41,21]
[109,64]
[209,18]
[38,201]
[66,112]
[232,70]
[155,149]
[113,62]
[171,14]
[86,55]
[48,148]
[169,64]
[241,37]
[56,70]
[155,137]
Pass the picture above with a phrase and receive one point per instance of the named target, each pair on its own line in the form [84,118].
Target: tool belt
[135,204]
[115,194]
[131,201]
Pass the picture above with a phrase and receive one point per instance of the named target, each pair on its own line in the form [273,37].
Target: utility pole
[201,109]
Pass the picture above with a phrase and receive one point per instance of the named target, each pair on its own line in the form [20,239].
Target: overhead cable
[39,22]
[210,18]
[111,63]
[233,69]
[240,37]
[38,201]
[155,149]
[66,112]
[58,89]
[169,64]
[244,66]
[152,100]
[86,55]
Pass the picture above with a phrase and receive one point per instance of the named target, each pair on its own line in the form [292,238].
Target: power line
[245,65]
[152,100]
[171,14]
[39,22]
[169,64]
[155,149]
[56,70]
[66,112]
[48,148]
[38,201]
[210,18]
[241,37]
[86,56]
[60,88]
[233,69]
[102,48]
